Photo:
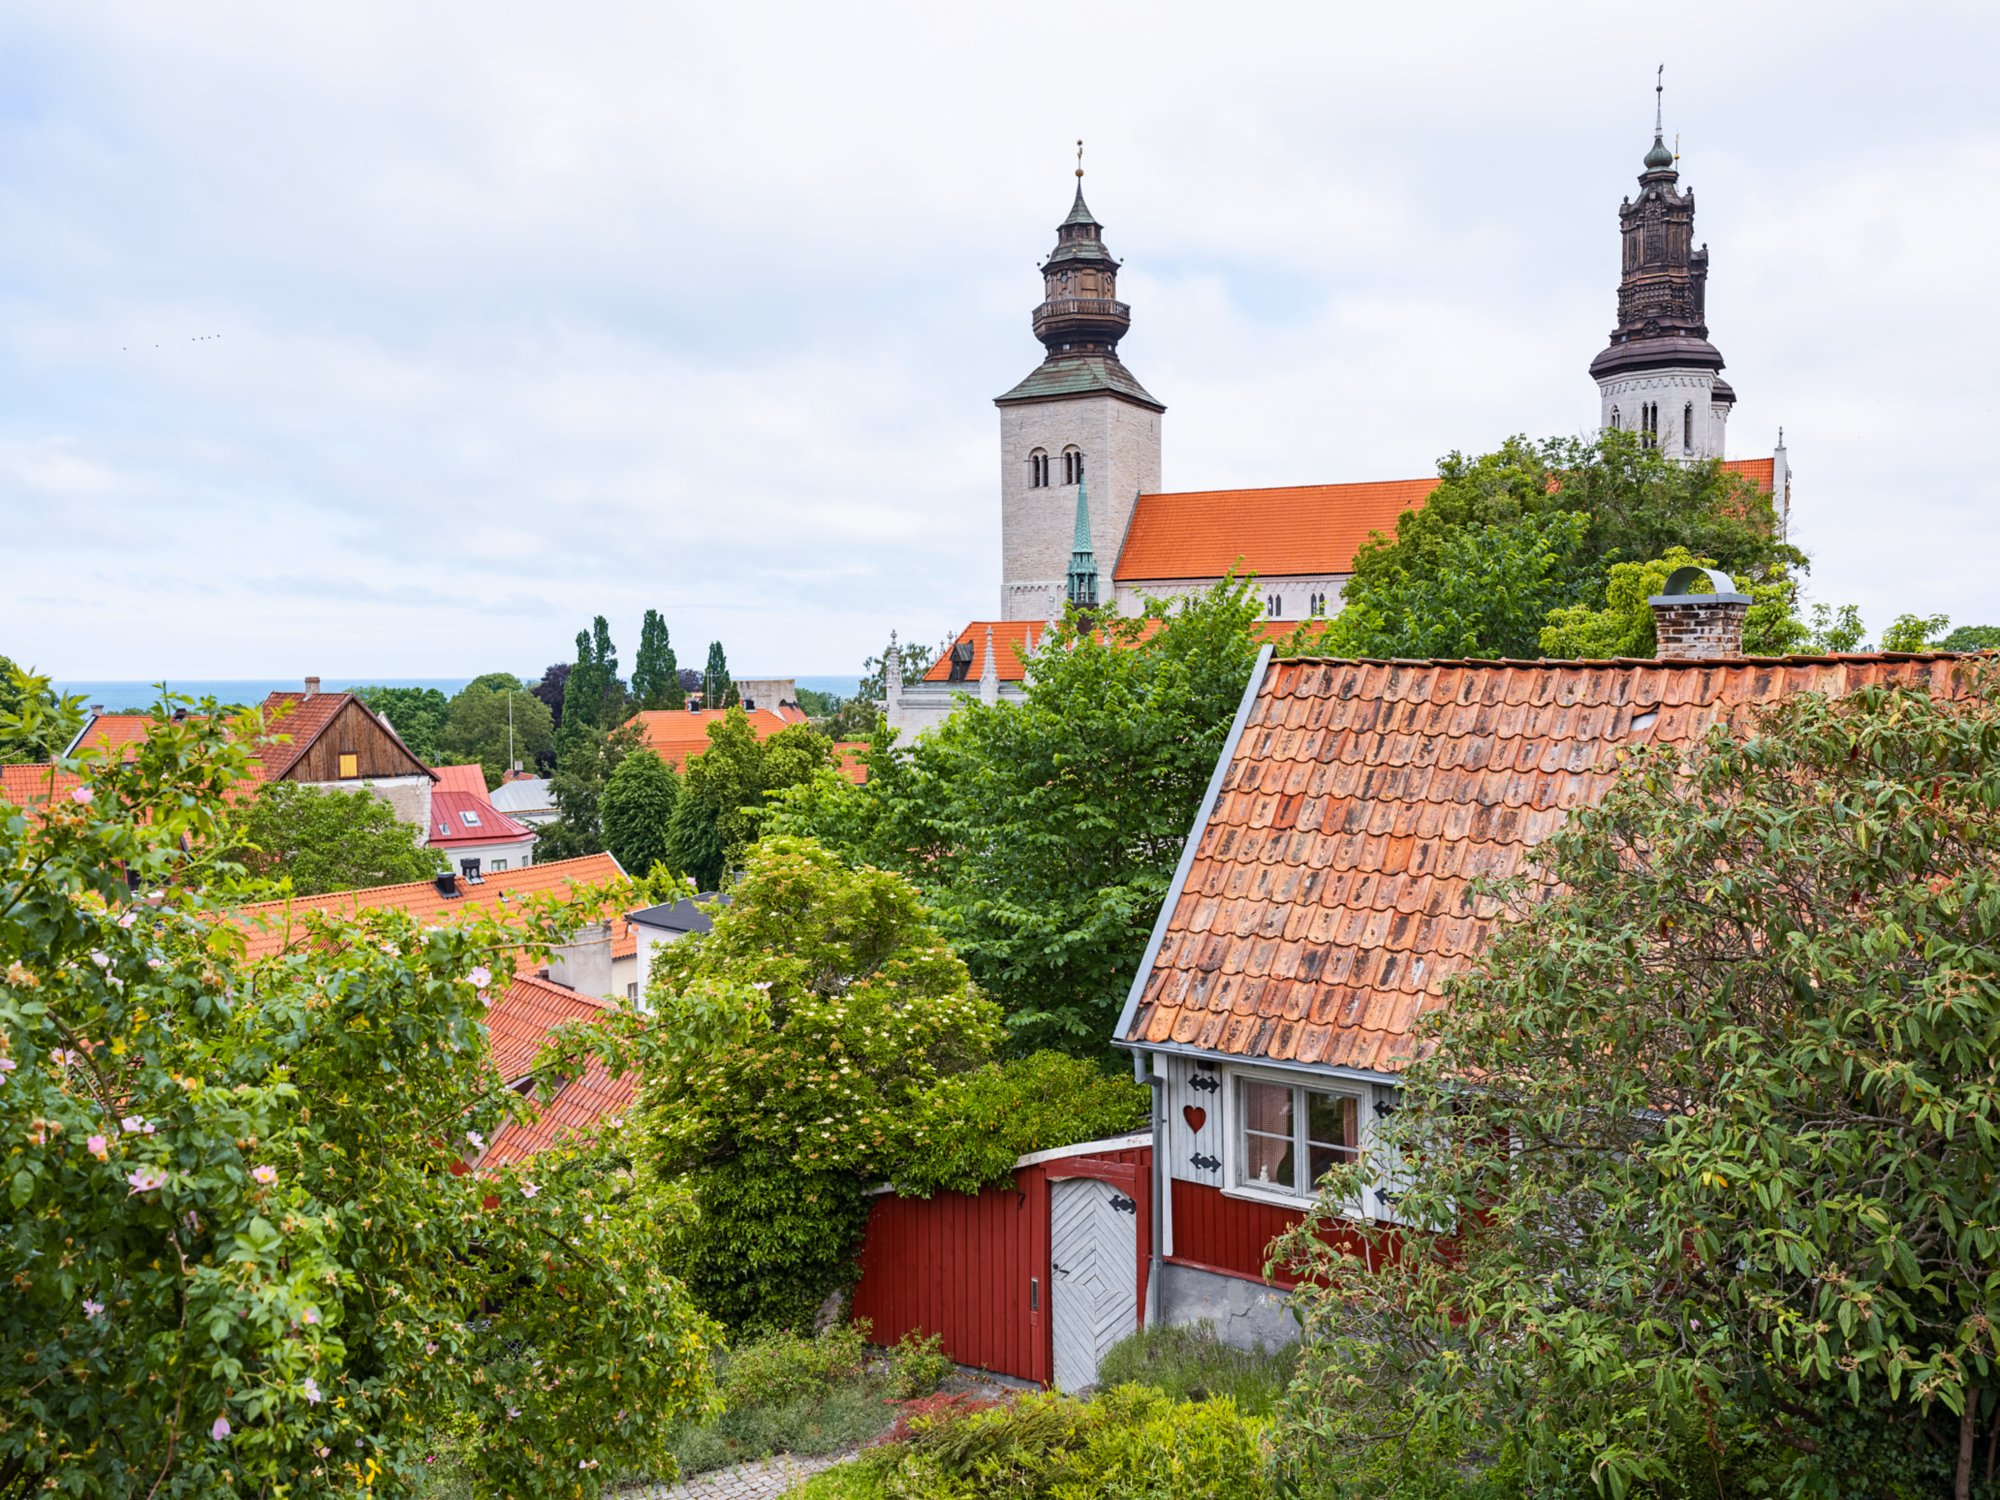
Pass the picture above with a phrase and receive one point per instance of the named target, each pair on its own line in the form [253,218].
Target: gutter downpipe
[1144,1069]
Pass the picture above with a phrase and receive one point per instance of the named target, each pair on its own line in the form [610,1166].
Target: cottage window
[496,864]
[350,766]
[1288,1136]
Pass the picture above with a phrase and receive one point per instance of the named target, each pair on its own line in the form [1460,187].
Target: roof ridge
[503,878]
[1808,658]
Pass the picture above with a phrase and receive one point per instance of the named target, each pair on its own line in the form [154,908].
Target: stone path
[765,1480]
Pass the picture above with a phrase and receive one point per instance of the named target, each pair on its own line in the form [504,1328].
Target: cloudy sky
[373,339]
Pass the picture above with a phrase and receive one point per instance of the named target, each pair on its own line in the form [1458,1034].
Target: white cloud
[526,315]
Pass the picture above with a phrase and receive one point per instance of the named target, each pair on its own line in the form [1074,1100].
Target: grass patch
[1192,1364]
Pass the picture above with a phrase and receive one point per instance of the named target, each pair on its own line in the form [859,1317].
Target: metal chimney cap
[1676,587]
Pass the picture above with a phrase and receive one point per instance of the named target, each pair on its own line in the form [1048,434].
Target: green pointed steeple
[1082,560]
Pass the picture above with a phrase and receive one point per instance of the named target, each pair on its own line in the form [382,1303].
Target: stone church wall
[1120,443]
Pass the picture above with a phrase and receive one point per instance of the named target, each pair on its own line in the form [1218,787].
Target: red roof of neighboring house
[1328,900]
[592,1098]
[450,830]
[275,926]
[468,779]
[520,1020]
[1012,640]
[1283,532]
[118,736]
[847,758]
[676,733]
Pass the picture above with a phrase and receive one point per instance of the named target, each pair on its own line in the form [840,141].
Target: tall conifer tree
[715,682]
[656,676]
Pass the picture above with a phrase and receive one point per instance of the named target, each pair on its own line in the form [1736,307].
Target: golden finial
[1677,145]
[1079,158]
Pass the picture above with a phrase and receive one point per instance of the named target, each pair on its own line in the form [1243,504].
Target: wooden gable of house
[318,752]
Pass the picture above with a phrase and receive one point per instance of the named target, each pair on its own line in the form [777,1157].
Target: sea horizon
[115,695]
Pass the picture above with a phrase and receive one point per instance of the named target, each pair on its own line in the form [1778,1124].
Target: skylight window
[469,819]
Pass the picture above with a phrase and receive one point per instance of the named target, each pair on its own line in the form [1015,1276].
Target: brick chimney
[1699,627]
[312,686]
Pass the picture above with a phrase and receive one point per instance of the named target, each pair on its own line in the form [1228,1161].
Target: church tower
[1660,376]
[1080,412]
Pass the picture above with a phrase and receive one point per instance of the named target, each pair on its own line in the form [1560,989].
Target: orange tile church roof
[674,734]
[1011,640]
[1328,898]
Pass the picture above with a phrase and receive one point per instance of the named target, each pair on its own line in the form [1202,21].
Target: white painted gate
[1094,1286]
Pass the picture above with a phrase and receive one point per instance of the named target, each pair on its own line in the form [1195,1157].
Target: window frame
[347,764]
[1233,1125]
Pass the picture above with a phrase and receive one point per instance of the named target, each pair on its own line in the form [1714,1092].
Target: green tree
[638,808]
[55,720]
[725,786]
[1972,638]
[416,713]
[1044,833]
[718,688]
[477,727]
[593,695]
[588,760]
[1622,503]
[1915,632]
[325,840]
[1726,1104]
[239,1253]
[656,673]
[1624,626]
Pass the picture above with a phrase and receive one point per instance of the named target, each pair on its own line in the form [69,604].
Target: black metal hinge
[1206,1163]
[1123,1204]
[1201,1083]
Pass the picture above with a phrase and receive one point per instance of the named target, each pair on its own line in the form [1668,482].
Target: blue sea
[114,696]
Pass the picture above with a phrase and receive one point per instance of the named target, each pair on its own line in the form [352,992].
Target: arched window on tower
[1687,428]
[1617,422]
[1038,470]
[1072,466]
[1649,424]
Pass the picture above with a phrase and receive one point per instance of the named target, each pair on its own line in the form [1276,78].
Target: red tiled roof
[449,830]
[1311,528]
[676,733]
[468,779]
[302,718]
[1011,643]
[1328,900]
[118,736]
[847,759]
[521,1019]
[590,1098]
[1757,470]
[276,926]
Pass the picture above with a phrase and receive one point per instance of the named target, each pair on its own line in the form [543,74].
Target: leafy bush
[970,1129]
[780,1368]
[1130,1443]
[1191,1364]
[918,1365]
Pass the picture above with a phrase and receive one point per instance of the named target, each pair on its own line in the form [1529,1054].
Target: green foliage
[1836,629]
[718,688]
[779,1368]
[1130,1443]
[1510,536]
[726,784]
[1726,1100]
[973,1126]
[590,758]
[477,726]
[918,1365]
[1044,833]
[656,673]
[323,840]
[1624,626]
[638,807]
[1915,632]
[1972,638]
[35,724]
[782,1052]
[1189,1363]
[238,1259]
[417,714]
[593,695]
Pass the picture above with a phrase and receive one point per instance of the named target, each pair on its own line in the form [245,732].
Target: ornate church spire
[1082,559]
[1659,374]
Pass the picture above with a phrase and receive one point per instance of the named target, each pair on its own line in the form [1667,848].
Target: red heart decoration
[1195,1115]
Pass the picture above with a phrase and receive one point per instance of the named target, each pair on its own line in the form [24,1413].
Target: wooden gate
[1094,1262]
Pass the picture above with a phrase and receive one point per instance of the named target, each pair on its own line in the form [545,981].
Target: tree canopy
[1726,1104]
[1044,833]
[321,839]
[240,1252]
[718,688]
[477,726]
[1507,537]
[416,712]
[656,673]
[590,757]
[638,809]
[724,787]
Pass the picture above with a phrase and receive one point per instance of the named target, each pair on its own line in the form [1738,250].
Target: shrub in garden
[918,1365]
[239,1257]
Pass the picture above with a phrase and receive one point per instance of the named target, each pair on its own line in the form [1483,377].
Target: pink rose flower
[266,1174]
[311,1315]
[146,1179]
[128,919]
[132,1124]
[311,1388]
[83,796]
[220,1430]
[91,1307]
[480,977]
[97,1148]
[528,1190]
